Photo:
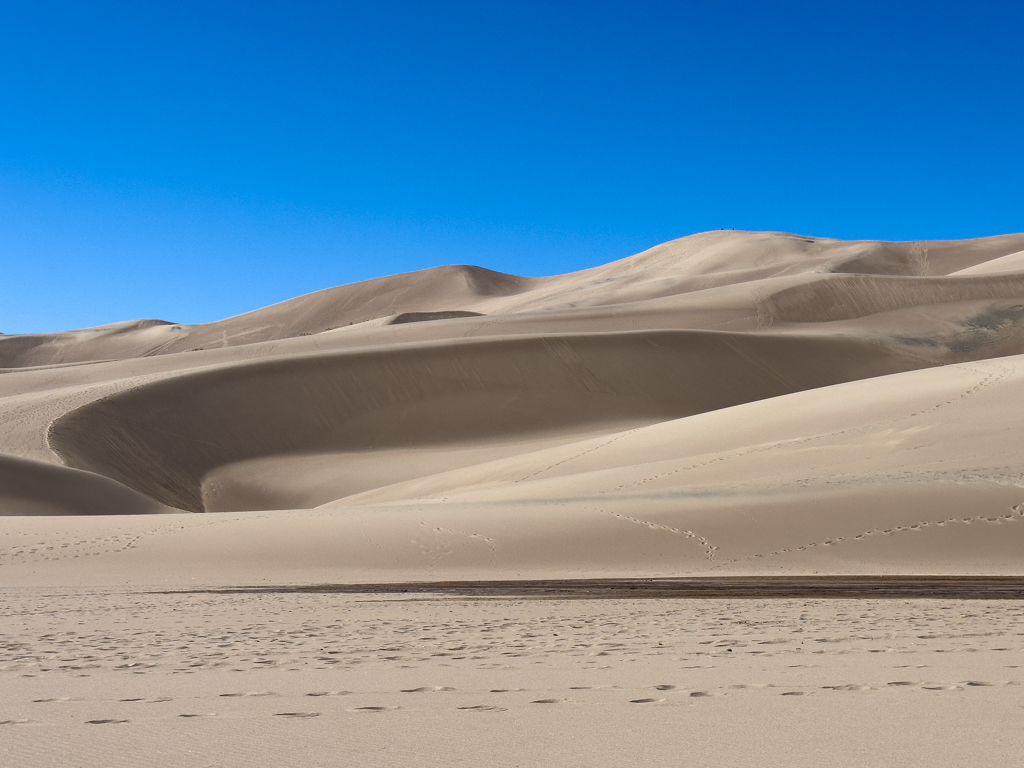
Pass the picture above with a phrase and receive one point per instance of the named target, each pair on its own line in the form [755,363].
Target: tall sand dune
[728,402]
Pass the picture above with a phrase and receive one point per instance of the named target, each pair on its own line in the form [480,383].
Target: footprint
[793,693]
[547,701]
[645,701]
[104,722]
[130,699]
[425,689]
[329,693]
[977,683]
[902,682]
[374,709]
[664,687]
[204,714]
[296,714]
[484,708]
[15,722]
[251,693]
[700,694]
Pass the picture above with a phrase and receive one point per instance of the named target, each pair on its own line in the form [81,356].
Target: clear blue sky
[194,160]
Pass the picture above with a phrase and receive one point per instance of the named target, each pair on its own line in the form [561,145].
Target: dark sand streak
[945,587]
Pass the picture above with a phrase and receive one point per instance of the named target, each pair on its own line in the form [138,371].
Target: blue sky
[191,161]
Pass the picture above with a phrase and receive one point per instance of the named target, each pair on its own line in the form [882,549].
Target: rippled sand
[103,677]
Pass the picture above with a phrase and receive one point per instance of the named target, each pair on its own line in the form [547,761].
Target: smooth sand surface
[728,404]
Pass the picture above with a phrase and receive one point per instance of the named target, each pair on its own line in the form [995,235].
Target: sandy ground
[731,403]
[111,677]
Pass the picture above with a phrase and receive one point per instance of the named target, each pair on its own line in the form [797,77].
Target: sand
[731,404]
[107,677]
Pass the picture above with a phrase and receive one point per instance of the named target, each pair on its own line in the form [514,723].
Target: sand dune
[1012,262]
[34,488]
[747,415]
[727,402]
[164,438]
[689,265]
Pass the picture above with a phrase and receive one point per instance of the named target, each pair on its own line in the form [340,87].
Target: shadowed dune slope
[34,488]
[164,438]
[845,297]
[882,434]
[1013,262]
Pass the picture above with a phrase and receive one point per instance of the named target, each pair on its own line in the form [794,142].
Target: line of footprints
[664,694]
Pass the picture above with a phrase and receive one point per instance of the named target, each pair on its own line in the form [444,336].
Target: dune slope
[731,401]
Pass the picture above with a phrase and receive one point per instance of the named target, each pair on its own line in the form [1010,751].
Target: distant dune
[730,402]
